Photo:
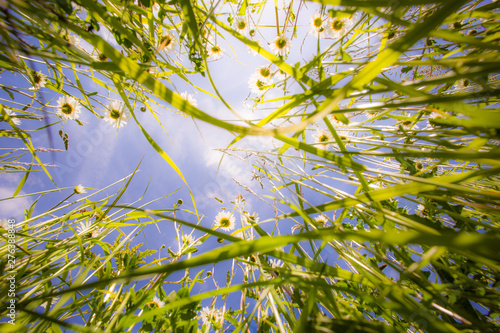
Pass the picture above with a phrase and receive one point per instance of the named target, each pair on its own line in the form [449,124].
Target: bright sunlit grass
[373,206]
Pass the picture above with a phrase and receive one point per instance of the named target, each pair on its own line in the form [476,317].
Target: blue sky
[99,155]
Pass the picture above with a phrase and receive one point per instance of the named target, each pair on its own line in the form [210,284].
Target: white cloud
[13,208]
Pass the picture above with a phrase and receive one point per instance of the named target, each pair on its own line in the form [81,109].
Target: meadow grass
[383,177]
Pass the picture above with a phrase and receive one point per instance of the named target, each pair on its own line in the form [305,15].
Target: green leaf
[23,180]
